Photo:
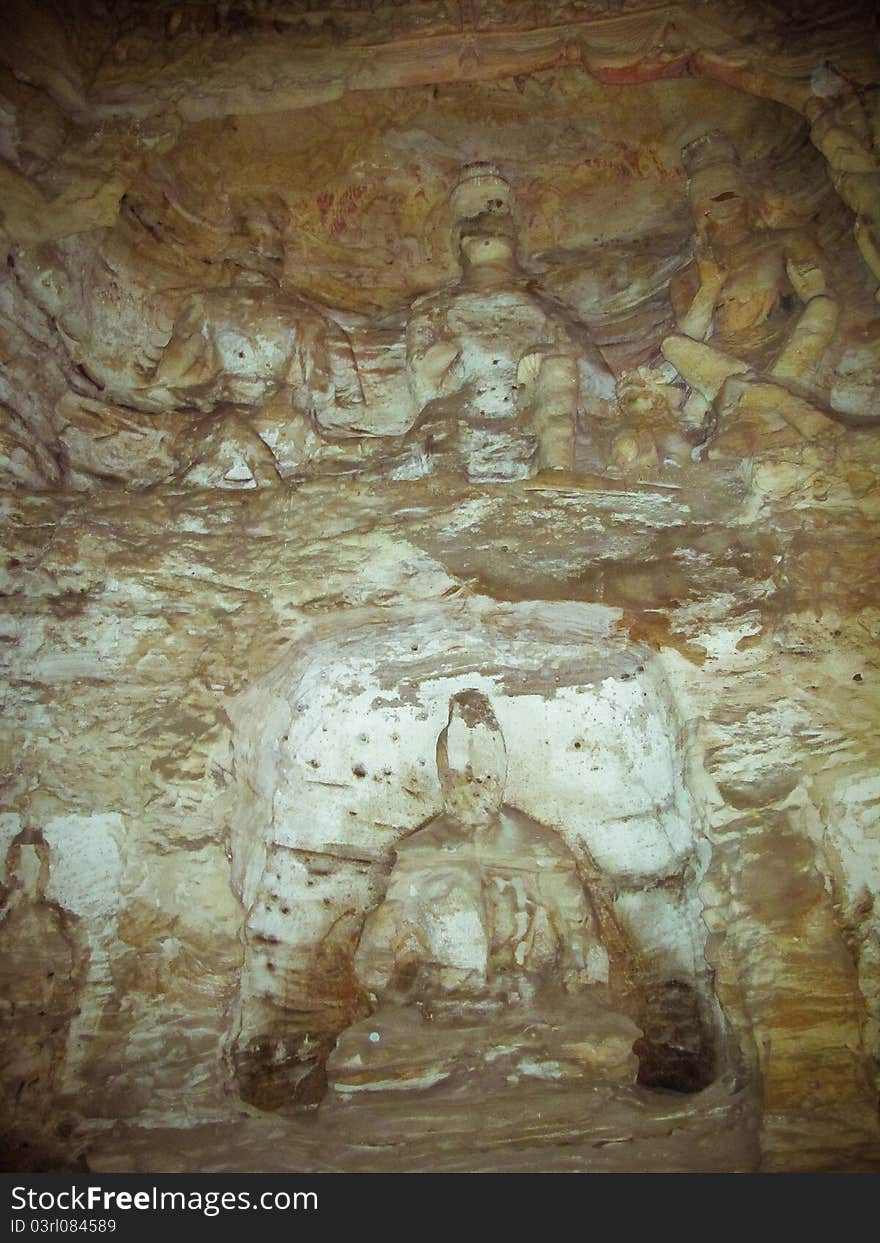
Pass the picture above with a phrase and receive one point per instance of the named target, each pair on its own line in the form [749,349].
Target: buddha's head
[721,198]
[472,760]
[484,226]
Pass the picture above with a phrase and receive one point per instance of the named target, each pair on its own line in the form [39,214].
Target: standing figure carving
[845,126]
[42,968]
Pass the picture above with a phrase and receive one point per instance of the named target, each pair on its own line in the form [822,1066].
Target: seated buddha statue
[485,952]
[255,341]
[506,380]
[756,313]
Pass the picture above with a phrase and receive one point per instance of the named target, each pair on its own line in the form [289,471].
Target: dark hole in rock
[677,1051]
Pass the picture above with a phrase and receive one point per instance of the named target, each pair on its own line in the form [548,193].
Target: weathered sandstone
[440,468]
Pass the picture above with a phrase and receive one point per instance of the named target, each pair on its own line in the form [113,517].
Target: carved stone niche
[467,841]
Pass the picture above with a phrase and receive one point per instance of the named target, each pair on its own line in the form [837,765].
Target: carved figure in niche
[223,451]
[485,940]
[653,433]
[42,969]
[25,462]
[504,378]
[845,126]
[755,376]
[254,342]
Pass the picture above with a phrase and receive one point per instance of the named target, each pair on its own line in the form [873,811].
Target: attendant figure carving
[486,939]
[749,367]
[845,125]
[506,380]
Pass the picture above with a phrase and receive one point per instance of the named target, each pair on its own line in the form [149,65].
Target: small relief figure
[43,962]
[486,945]
[845,125]
[253,341]
[750,369]
[506,380]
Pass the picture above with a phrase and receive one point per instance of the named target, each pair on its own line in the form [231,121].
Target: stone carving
[654,432]
[485,926]
[42,965]
[224,451]
[255,341]
[194,677]
[106,444]
[755,376]
[845,126]
[504,378]
[503,902]
[273,377]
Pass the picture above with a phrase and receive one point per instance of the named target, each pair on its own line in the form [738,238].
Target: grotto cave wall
[439,466]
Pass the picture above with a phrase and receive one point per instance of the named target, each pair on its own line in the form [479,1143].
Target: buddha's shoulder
[538,839]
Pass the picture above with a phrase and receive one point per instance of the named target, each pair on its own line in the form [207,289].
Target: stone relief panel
[557,305]
[490,378]
[206,340]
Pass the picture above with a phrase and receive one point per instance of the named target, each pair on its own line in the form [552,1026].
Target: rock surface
[440,467]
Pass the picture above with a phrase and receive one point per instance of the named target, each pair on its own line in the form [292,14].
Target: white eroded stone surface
[532,356]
